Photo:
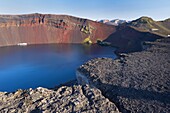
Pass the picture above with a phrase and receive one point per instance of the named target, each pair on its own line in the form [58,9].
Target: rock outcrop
[47,28]
[136,82]
[64,100]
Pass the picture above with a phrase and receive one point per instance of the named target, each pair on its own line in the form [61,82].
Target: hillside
[47,28]
[130,37]
[147,24]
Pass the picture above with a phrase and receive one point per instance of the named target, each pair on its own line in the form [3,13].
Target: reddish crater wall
[40,29]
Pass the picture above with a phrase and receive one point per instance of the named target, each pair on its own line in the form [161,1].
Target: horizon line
[79,16]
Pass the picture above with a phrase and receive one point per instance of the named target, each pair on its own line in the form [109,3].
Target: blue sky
[92,9]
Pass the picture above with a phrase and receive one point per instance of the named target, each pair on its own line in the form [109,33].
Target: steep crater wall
[47,28]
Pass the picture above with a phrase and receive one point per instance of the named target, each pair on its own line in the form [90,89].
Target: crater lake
[45,65]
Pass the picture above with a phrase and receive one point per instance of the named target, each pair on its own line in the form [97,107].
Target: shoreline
[71,82]
[135,82]
[118,93]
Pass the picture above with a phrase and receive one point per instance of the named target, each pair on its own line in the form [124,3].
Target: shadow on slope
[127,39]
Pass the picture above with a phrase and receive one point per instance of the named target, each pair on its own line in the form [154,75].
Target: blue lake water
[45,65]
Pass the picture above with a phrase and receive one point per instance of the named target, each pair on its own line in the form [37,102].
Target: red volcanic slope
[47,28]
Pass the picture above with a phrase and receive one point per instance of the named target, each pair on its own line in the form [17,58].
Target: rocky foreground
[136,82]
[64,100]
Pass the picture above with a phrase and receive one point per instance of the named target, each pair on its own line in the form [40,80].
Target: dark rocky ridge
[64,100]
[136,82]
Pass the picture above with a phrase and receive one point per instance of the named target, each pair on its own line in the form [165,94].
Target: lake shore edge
[71,95]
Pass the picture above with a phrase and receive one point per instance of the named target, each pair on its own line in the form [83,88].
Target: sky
[91,9]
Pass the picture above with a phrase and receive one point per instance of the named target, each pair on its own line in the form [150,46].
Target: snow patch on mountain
[115,22]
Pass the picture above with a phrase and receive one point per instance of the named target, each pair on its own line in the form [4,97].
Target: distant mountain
[118,22]
[114,22]
[103,21]
[147,24]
